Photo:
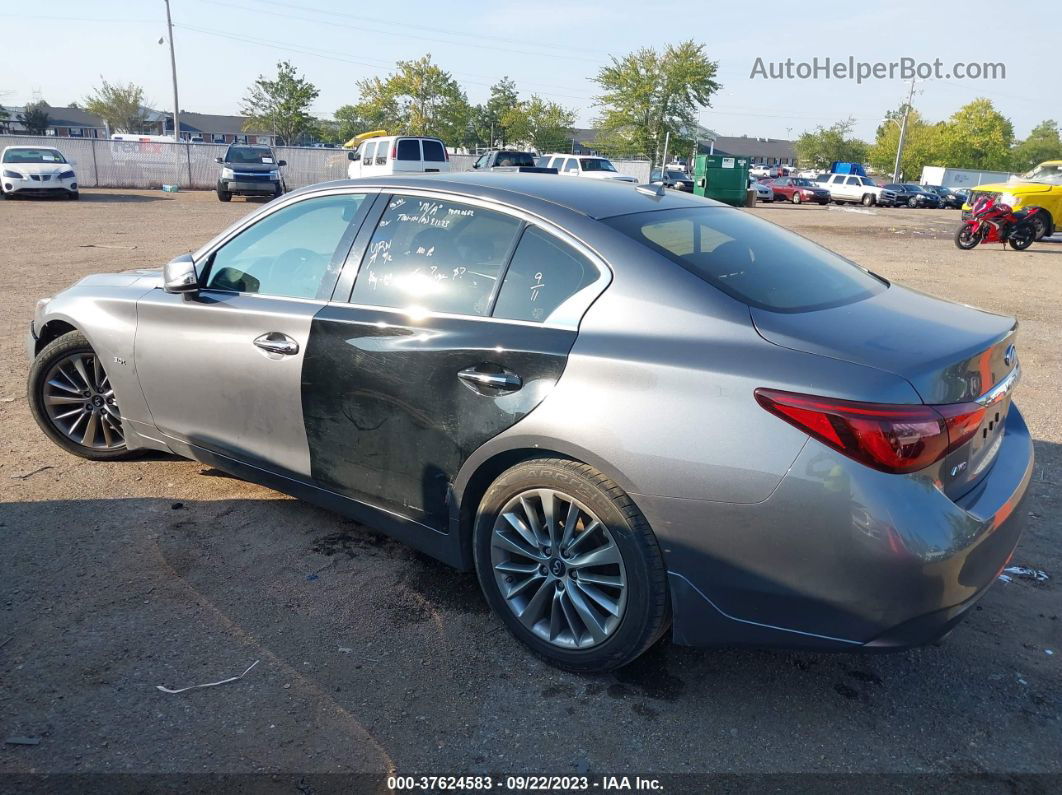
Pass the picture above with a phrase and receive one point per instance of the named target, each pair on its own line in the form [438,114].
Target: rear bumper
[841,556]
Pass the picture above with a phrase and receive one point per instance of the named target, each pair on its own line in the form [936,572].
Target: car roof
[590,197]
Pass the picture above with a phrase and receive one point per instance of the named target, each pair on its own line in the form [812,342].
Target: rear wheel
[570,565]
[967,237]
[1022,237]
[72,400]
[868,199]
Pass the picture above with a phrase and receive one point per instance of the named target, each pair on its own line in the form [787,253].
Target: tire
[796,198]
[278,192]
[1041,222]
[108,441]
[1022,237]
[224,195]
[617,527]
[966,238]
[912,203]
[75,196]
[868,199]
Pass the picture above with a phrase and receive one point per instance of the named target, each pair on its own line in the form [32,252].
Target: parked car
[510,160]
[908,194]
[398,154]
[764,193]
[949,198]
[590,166]
[672,178]
[627,410]
[850,188]
[1040,187]
[249,170]
[764,171]
[797,190]
[37,171]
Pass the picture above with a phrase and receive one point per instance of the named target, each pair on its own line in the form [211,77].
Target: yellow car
[1041,187]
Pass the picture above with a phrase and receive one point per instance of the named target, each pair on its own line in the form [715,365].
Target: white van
[397,154]
[590,166]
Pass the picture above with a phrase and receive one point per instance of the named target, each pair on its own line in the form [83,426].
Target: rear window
[750,259]
[433,151]
[408,149]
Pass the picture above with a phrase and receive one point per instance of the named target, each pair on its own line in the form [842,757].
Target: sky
[552,48]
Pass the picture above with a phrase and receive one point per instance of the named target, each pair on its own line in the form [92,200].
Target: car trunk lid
[950,353]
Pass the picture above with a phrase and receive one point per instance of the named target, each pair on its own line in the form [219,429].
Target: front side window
[754,261]
[434,255]
[408,149]
[598,164]
[573,165]
[433,151]
[852,181]
[34,155]
[289,252]
[543,274]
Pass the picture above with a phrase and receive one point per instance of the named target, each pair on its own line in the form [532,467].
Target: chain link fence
[102,163]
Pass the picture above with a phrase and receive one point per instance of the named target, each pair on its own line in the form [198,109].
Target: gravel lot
[115,578]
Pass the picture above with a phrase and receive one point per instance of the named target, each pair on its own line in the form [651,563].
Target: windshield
[676,175]
[597,164]
[750,259]
[1050,173]
[250,154]
[27,155]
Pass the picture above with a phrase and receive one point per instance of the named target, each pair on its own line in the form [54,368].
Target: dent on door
[393,407]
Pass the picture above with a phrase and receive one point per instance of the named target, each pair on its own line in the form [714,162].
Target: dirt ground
[118,577]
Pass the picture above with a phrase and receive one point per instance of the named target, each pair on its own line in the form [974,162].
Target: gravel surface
[118,577]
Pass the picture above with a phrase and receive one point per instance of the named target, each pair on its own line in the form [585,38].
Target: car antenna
[651,189]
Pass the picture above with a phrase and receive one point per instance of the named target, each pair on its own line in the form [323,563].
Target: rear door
[221,370]
[459,323]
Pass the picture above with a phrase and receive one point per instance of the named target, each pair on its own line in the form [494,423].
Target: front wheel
[570,565]
[967,236]
[912,202]
[71,397]
[796,198]
[224,195]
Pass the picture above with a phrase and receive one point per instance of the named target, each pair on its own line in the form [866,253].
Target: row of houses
[210,128]
[73,122]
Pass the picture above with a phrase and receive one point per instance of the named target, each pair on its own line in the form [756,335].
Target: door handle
[275,342]
[490,381]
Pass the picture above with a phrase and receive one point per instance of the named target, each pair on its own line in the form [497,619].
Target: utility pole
[663,160]
[903,132]
[173,67]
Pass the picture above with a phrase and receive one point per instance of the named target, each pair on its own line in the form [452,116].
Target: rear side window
[750,259]
[543,274]
[435,255]
[369,154]
[408,149]
[433,151]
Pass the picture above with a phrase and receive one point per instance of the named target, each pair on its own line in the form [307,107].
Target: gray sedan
[631,411]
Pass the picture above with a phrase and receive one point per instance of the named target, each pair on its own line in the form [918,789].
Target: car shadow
[112,197]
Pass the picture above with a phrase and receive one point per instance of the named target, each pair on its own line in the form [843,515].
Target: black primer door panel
[389,420]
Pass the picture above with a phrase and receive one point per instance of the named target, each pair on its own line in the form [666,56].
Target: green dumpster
[722,178]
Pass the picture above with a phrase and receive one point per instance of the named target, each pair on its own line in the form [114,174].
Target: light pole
[173,68]
[903,132]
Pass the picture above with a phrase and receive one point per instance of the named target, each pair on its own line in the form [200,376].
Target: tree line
[976,136]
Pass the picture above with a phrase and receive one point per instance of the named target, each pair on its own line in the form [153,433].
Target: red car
[797,190]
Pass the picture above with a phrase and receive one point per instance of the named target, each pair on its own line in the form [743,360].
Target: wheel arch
[51,331]
[484,466]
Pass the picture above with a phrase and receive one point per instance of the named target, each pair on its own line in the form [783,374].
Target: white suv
[850,188]
[590,166]
[398,154]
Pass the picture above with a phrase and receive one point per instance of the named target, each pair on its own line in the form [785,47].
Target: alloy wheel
[558,568]
[80,402]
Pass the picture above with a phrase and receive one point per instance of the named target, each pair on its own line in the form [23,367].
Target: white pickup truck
[850,188]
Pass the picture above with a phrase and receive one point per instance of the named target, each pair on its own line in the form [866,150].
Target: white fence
[101,163]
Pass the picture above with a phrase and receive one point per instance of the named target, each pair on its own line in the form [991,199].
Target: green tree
[976,136]
[1043,143]
[350,122]
[819,147]
[281,105]
[418,98]
[121,107]
[543,125]
[491,121]
[34,117]
[646,93]
[4,116]
[921,146]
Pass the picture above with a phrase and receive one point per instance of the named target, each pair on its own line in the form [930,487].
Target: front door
[222,370]
[451,336]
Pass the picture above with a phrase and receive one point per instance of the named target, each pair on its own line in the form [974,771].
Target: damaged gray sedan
[631,411]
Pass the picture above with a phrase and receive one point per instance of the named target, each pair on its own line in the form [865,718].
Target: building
[765,151]
[62,122]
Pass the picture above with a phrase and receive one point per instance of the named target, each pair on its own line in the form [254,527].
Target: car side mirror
[282,162]
[219,160]
[179,276]
[353,156]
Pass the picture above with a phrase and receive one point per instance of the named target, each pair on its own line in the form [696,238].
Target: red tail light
[891,438]
[394,150]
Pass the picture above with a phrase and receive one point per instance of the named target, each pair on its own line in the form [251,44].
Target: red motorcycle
[994,222]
